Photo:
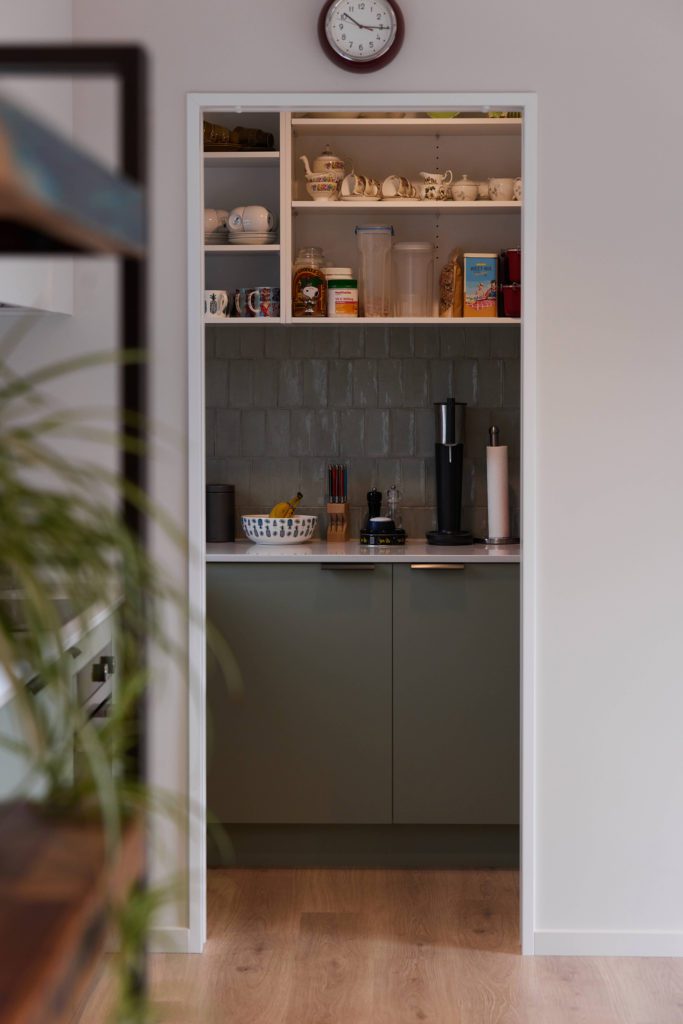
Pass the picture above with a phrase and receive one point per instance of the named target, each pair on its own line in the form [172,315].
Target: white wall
[610,700]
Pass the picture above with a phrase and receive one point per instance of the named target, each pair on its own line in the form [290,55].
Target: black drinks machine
[448,449]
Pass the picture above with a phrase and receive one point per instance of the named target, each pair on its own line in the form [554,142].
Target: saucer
[360,199]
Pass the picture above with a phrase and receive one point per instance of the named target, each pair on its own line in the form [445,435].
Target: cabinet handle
[437,565]
[348,566]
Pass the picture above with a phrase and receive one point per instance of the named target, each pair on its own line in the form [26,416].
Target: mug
[264,301]
[242,302]
[397,187]
[517,190]
[235,219]
[215,303]
[257,219]
[501,189]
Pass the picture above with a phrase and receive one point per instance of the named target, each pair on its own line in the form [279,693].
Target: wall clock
[361,35]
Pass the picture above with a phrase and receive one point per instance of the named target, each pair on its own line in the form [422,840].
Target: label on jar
[342,298]
[309,292]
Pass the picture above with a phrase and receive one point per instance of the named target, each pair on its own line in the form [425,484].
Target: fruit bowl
[269,530]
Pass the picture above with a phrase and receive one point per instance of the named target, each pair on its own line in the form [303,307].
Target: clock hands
[370,28]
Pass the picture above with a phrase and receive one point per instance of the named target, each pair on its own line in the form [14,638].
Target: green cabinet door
[310,740]
[456,694]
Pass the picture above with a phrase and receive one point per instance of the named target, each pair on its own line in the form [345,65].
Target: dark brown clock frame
[363,66]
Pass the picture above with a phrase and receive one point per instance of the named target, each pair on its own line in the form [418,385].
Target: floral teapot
[326,163]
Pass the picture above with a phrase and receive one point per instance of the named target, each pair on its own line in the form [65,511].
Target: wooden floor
[390,947]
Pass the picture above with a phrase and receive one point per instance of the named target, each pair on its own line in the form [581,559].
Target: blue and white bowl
[267,530]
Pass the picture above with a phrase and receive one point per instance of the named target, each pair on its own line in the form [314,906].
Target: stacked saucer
[221,236]
[252,237]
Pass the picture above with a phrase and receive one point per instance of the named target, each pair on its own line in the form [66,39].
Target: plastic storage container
[374,247]
[220,513]
[413,279]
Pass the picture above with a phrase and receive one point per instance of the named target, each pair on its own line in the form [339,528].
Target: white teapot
[326,163]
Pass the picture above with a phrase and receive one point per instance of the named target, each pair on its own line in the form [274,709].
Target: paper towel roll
[497,488]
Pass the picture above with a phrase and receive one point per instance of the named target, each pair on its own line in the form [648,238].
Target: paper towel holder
[494,442]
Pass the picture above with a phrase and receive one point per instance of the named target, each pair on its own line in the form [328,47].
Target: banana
[284,509]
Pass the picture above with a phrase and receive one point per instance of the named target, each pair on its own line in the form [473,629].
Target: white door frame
[242,102]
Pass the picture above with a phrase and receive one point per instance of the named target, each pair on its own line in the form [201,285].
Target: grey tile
[357,517]
[390,382]
[470,480]
[474,520]
[413,481]
[364,383]
[265,383]
[340,383]
[387,473]
[315,383]
[215,471]
[401,341]
[351,342]
[430,481]
[424,432]
[441,382]
[228,435]
[361,479]
[273,480]
[326,438]
[426,341]
[351,432]
[233,471]
[402,423]
[452,339]
[377,432]
[465,378]
[477,423]
[277,343]
[216,389]
[302,342]
[302,431]
[277,431]
[209,343]
[511,383]
[313,481]
[490,383]
[415,383]
[209,431]
[325,342]
[290,385]
[419,521]
[227,342]
[477,340]
[252,343]
[376,342]
[241,384]
[505,341]
[253,432]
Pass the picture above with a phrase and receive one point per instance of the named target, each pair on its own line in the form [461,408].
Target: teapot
[326,163]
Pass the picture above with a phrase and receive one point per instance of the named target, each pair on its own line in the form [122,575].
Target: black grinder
[448,449]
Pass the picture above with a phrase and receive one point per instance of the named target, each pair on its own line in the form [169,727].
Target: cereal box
[481,284]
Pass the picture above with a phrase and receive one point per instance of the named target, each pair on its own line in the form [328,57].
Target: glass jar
[309,286]
[374,247]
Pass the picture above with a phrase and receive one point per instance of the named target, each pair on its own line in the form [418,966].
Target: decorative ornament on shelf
[361,35]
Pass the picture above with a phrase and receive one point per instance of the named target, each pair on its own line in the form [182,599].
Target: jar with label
[309,286]
[342,297]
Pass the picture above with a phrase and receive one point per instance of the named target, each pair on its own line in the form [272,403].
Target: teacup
[235,219]
[257,219]
[210,220]
[264,301]
[353,185]
[397,187]
[517,190]
[372,187]
[215,302]
[501,189]
[222,216]
[483,190]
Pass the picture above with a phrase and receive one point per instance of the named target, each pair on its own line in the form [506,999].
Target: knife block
[337,521]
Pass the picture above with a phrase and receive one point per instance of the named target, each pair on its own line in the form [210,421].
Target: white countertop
[352,551]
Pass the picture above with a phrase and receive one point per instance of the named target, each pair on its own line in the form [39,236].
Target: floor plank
[318,946]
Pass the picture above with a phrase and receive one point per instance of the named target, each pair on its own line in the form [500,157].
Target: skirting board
[568,943]
[169,940]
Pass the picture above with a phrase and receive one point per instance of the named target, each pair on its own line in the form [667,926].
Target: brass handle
[437,565]
[348,566]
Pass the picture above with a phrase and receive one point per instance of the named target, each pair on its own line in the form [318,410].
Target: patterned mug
[242,302]
[264,301]
[216,303]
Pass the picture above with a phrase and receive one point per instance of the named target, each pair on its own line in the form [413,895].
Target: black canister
[220,513]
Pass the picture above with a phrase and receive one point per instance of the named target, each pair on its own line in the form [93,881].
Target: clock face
[362,34]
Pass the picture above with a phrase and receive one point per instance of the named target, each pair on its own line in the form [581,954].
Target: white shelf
[495,126]
[389,320]
[241,321]
[407,206]
[221,250]
[234,158]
